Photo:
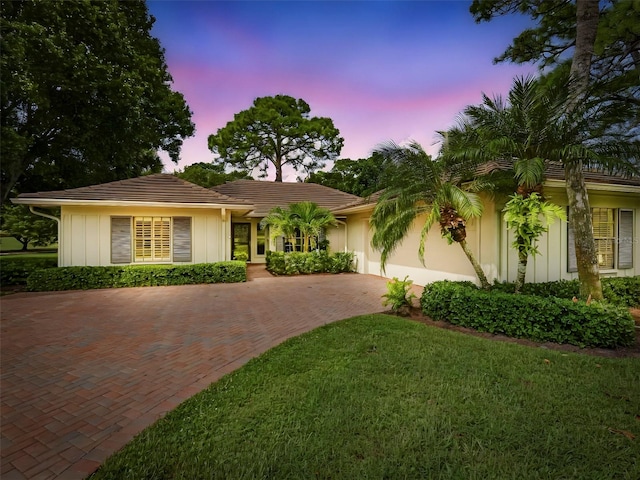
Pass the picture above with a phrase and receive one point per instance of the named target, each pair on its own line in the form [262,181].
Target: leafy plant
[241,256]
[16,270]
[296,263]
[399,295]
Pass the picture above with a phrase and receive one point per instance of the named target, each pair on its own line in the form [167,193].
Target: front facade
[162,219]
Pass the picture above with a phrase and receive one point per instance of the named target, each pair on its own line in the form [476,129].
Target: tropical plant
[307,218]
[528,217]
[417,186]
[399,295]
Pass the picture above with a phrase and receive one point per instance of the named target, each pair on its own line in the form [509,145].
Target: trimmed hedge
[85,278]
[297,263]
[527,316]
[16,270]
[624,291]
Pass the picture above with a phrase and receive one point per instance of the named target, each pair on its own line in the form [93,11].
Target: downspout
[224,233]
[57,220]
[346,233]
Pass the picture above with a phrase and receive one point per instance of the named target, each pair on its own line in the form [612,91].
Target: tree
[307,218]
[531,128]
[209,175]
[86,95]
[276,131]
[419,186]
[604,71]
[27,228]
[359,177]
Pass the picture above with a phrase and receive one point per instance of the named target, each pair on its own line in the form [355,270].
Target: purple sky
[381,70]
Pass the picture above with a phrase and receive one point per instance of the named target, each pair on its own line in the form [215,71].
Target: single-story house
[161,218]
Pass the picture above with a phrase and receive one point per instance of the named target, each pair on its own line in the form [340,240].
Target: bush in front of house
[85,278]
[623,291]
[299,263]
[542,319]
[15,270]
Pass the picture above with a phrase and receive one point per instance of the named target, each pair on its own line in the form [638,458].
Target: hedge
[296,263]
[537,318]
[624,291]
[85,278]
[15,270]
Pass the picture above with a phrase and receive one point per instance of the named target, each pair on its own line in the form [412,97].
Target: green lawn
[10,244]
[383,397]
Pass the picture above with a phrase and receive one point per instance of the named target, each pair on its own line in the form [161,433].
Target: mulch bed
[633,351]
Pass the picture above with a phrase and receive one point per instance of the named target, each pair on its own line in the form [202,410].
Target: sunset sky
[381,70]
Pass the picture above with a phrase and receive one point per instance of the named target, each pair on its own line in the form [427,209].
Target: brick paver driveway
[84,371]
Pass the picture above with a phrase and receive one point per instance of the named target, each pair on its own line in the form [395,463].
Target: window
[150,239]
[261,239]
[613,235]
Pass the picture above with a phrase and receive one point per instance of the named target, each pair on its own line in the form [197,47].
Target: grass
[10,244]
[382,397]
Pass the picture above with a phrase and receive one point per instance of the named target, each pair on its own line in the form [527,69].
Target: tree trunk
[582,225]
[484,283]
[522,270]
[587,18]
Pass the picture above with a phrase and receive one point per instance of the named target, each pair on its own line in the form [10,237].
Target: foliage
[86,278]
[14,270]
[359,177]
[209,175]
[28,228]
[540,319]
[305,217]
[86,95]
[378,397]
[299,263]
[418,185]
[276,131]
[622,291]
[241,256]
[399,294]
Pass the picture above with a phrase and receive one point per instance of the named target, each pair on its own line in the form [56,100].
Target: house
[162,219]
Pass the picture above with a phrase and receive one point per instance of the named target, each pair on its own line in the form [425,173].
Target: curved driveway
[84,371]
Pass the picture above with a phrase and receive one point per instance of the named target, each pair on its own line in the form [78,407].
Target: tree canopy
[359,177]
[86,96]
[210,174]
[276,131]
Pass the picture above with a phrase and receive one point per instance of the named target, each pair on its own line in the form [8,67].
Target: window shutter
[279,244]
[572,263]
[181,239]
[120,239]
[625,238]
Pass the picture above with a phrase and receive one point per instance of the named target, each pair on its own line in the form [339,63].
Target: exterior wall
[86,233]
[442,261]
[552,262]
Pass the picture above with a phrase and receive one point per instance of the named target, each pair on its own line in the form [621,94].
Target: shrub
[399,294]
[623,291]
[526,316]
[85,278]
[15,270]
[296,263]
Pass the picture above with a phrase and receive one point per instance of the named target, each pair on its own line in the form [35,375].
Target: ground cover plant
[85,278]
[378,396]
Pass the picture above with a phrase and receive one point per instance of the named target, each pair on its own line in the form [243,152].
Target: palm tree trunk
[522,270]
[484,283]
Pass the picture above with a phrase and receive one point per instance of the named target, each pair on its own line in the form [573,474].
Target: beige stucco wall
[86,233]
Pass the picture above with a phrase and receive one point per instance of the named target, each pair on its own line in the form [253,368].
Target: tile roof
[266,195]
[555,171]
[156,188]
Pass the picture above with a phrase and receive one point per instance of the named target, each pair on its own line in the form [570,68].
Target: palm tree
[419,186]
[281,222]
[531,128]
[310,219]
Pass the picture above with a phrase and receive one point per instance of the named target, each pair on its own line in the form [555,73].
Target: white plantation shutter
[181,239]
[120,239]
[572,263]
[625,238]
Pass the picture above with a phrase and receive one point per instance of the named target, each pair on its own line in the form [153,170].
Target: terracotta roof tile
[266,195]
[156,188]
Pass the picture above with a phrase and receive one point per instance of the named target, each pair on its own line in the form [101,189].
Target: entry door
[241,233]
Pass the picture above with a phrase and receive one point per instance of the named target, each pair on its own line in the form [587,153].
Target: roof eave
[596,186]
[58,202]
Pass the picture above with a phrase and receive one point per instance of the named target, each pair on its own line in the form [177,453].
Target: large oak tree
[86,96]
[276,131]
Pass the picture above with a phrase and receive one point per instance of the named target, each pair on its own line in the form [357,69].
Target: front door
[241,245]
